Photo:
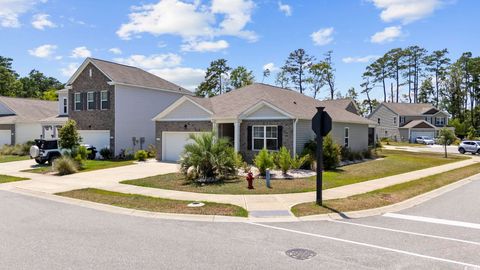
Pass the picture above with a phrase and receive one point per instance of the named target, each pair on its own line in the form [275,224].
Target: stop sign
[321,122]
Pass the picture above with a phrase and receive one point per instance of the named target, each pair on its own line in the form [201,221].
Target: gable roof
[129,75]
[418,124]
[27,110]
[409,108]
[234,104]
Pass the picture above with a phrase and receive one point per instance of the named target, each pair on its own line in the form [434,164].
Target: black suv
[45,151]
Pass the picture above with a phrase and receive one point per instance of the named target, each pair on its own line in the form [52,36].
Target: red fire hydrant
[250,180]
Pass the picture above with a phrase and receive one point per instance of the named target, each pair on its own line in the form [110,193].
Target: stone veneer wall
[96,119]
[287,135]
[185,126]
[10,127]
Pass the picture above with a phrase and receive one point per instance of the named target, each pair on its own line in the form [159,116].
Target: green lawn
[393,162]
[8,178]
[154,204]
[388,195]
[10,158]
[90,165]
[404,144]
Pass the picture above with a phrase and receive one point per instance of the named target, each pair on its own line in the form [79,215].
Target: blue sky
[177,39]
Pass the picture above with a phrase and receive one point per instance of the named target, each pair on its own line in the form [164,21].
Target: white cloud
[388,34]
[192,21]
[362,59]
[205,46]
[286,9]
[44,51]
[81,52]
[155,61]
[115,50]
[69,70]
[406,11]
[186,77]
[10,11]
[322,36]
[41,21]
[271,67]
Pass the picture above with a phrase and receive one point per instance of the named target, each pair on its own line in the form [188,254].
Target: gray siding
[134,110]
[304,134]
[358,135]
[187,111]
[386,128]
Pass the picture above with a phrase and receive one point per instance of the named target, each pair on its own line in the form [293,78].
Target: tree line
[34,85]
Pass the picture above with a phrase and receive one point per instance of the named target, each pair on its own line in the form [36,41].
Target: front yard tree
[446,137]
[215,79]
[240,77]
[296,66]
[68,135]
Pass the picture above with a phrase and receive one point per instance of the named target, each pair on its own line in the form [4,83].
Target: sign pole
[319,155]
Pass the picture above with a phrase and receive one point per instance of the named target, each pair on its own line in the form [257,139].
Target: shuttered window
[104,100]
[265,137]
[78,101]
[90,101]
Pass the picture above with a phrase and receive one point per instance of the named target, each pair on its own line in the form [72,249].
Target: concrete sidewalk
[260,206]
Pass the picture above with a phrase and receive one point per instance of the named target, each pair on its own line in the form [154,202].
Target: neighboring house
[406,121]
[113,104]
[255,117]
[20,119]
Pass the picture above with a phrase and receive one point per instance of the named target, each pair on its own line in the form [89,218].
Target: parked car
[469,146]
[48,150]
[424,140]
[45,151]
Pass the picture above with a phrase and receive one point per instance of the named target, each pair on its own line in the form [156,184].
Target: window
[265,137]
[378,120]
[78,102]
[346,137]
[65,106]
[402,119]
[440,121]
[90,101]
[103,100]
[394,120]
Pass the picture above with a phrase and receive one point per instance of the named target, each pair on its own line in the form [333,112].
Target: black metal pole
[319,160]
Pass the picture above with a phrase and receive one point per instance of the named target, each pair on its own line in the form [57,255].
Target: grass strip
[8,178]
[147,203]
[386,196]
[89,165]
[11,158]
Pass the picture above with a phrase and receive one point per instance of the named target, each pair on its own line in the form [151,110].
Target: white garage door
[5,137]
[418,133]
[173,143]
[98,138]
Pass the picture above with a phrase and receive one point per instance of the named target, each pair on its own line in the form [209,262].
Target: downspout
[295,137]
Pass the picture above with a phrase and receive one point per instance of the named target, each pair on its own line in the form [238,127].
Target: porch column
[236,137]
[215,128]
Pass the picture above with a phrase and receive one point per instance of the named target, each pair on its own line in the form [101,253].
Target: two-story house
[114,104]
[406,121]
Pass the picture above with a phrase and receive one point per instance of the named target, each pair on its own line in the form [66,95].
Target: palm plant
[208,158]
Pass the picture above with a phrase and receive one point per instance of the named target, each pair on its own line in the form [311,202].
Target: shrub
[297,162]
[141,155]
[125,154]
[263,161]
[80,155]
[106,153]
[152,151]
[65,165]
[208,158]
[345,153]
[68,135]
[239,162]
[367,153]
[284,159]
[17,150]
[331,153]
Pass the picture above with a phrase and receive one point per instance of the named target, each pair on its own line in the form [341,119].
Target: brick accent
[178,126]
[287,135]
[96,119]
[10,127]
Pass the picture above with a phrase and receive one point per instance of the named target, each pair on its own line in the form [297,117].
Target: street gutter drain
[300,253]
[196,204]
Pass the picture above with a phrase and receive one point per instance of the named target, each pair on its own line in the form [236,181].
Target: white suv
[469,146]
[424,140]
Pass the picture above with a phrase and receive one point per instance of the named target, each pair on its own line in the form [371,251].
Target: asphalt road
[42,234]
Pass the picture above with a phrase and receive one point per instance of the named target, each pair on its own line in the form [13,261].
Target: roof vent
[294,102]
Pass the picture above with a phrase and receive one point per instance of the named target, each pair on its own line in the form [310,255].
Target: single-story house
[255,117]
[20,119]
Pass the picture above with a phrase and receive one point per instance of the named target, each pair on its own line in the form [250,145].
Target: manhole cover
[301,253]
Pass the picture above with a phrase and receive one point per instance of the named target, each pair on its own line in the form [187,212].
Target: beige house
[406,121]
[255,117]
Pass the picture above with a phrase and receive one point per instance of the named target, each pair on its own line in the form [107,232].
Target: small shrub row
[282,160]
[16,150]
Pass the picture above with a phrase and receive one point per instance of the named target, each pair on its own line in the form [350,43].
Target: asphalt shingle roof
[135,76]
[409,108]
[27,110]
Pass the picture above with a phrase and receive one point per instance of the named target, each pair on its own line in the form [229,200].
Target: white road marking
[367,245]
[435,220]
[408,232]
